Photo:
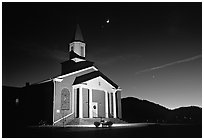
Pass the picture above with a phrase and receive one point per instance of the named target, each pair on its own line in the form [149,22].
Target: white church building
[81,92]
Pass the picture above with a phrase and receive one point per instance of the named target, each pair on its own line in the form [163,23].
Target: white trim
[92,67]
[119,89]
[64,117]
[57,79]
[114,105]
[106,104]
[43,82]
[77,59]
[80,103]
[65,75]
[76,42]
[90,103]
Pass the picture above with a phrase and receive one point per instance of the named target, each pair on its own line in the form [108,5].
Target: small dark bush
[97,124]
[109,123]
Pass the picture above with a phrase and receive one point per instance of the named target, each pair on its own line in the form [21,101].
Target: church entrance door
[95,109]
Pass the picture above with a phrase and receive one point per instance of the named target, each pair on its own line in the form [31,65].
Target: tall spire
[77,46]
[78,35]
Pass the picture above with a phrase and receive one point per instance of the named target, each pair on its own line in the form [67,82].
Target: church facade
[80,91]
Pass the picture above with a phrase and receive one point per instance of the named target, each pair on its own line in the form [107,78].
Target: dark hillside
[136,110]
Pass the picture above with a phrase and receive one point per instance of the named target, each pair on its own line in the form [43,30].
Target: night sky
[153,51]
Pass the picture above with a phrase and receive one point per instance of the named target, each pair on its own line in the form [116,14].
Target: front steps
[90,121]
[86,121]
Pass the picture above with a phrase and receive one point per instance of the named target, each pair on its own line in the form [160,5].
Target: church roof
[71,66]
[78,35]
[92,75]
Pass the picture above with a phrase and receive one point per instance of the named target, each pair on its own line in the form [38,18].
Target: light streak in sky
[170,64]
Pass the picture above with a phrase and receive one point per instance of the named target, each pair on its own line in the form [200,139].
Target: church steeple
[78,35]
[77,46]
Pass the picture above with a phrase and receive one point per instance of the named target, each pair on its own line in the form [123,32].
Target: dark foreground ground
[142,131]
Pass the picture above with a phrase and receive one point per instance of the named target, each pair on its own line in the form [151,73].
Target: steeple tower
[78,35]
[77,46]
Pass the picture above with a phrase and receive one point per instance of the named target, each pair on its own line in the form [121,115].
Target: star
[107,21]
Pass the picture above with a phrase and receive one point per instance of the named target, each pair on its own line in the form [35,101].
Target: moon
[107,21]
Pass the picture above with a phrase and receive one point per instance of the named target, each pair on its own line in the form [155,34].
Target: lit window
[17,101]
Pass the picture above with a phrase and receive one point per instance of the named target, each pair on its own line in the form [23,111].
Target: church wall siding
[59,113]
[66,83]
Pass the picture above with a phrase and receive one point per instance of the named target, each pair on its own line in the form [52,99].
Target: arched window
[65,99]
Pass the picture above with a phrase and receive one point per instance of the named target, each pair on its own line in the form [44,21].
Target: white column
[110,103]
[114,105]
[75,102]
[80,103]
[106,104]
[90,104]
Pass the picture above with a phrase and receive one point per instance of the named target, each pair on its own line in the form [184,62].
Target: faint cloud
[169,64]
[38,50]
[110,60]
[58,55]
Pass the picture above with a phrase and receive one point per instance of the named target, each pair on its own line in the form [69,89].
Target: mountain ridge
[162,105]
[137,110]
